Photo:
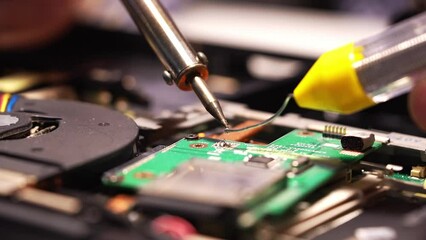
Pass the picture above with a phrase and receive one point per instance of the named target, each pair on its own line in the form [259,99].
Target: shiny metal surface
[179,59]
[183,66]
[209,101]
[393,60]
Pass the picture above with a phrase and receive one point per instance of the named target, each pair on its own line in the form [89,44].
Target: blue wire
[11,103]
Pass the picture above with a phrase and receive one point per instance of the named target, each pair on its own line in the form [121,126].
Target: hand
[32,23]
[417,104]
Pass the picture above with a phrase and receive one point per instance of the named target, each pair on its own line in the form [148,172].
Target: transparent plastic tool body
[393,60]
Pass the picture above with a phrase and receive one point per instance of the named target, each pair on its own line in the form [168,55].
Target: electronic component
[418,171]
[300,164]
[333,131]
[357,141]
[200,180]
[261,162]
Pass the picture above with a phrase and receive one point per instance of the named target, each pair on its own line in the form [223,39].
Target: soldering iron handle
[178,58]
[371,71]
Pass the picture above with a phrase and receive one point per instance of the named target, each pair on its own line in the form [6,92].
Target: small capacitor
[418,171]
[260,162]
[300,164]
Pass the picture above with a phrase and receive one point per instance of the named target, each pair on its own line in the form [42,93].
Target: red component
[172,226]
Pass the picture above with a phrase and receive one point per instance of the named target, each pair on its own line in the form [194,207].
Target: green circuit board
[325,154]
[407,178]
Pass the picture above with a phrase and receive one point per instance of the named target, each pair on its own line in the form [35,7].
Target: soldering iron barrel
[393,60]
[179,59]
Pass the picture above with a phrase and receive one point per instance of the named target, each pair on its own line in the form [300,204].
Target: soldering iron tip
[208,100]
[215,110]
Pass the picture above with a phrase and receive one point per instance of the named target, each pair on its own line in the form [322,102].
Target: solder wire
[267,121]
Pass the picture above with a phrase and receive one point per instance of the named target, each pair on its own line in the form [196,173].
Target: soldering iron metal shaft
[183,66]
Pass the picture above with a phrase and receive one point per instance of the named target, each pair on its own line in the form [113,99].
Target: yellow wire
[6,98]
